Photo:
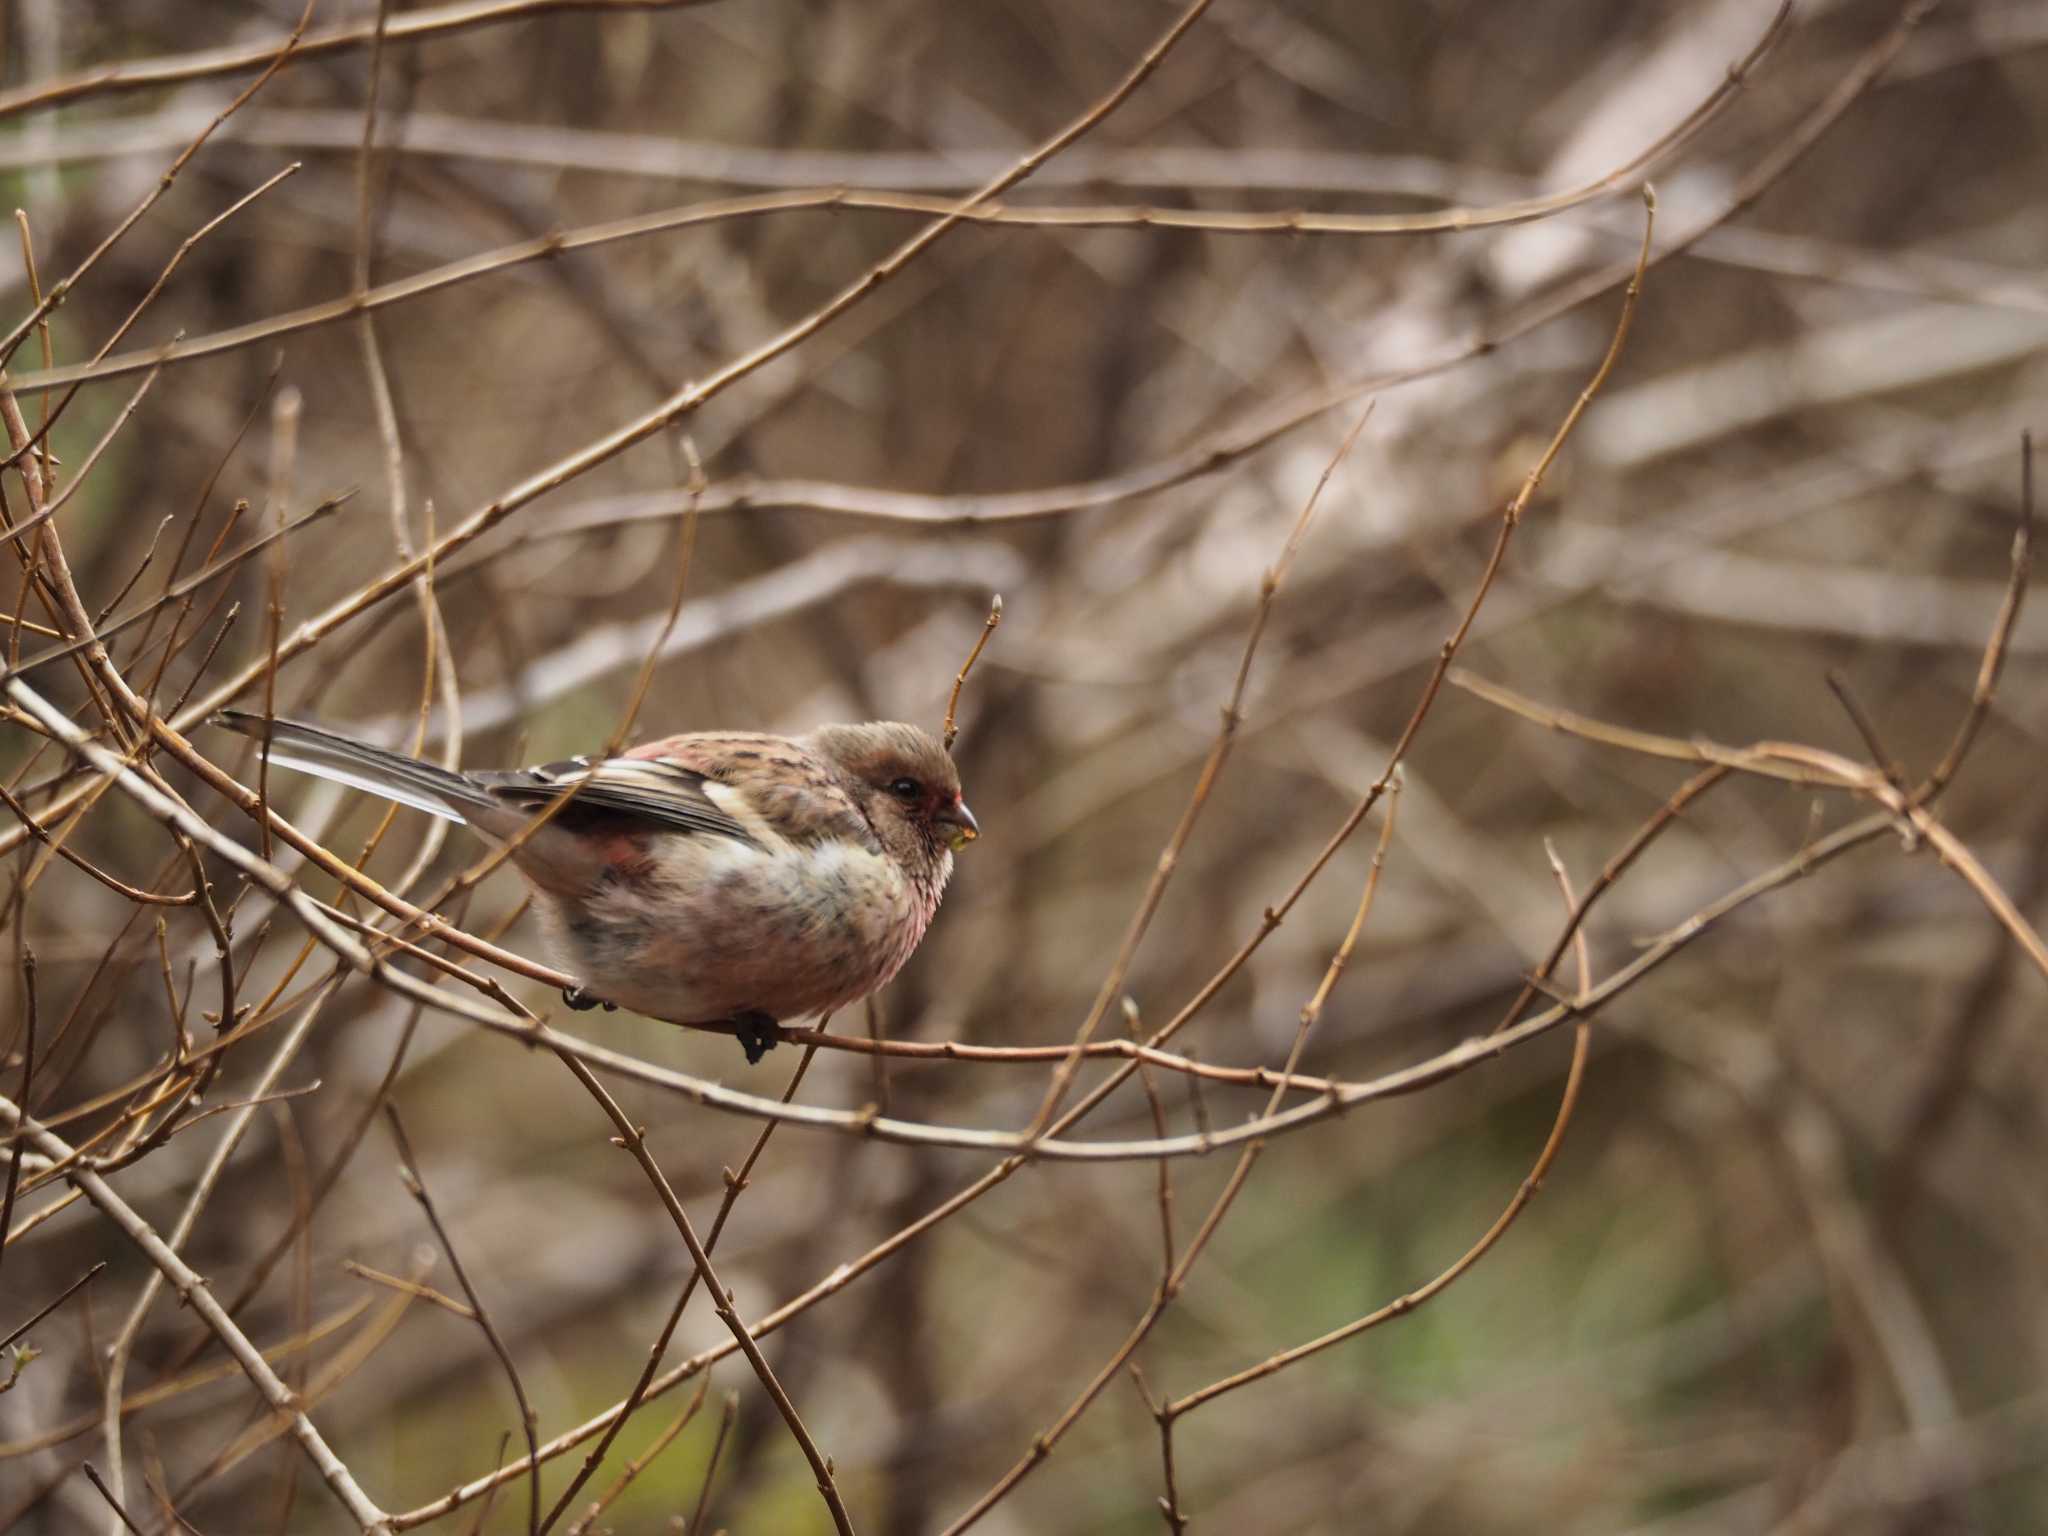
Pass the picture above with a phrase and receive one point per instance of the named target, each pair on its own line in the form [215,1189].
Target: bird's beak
[965,828]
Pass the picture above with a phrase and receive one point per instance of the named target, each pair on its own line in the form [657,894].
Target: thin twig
[725,1422]
[121,1515]
[951,729]
[48,1307]
[28,1074]
[416,1186]
[416,1288]
[1866,727]
[1996,648]
[1165,1178]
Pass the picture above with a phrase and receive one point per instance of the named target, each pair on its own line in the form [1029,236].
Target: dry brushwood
[497,377]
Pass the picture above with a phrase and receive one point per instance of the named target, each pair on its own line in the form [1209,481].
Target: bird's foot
[758,1034]
[583,1002]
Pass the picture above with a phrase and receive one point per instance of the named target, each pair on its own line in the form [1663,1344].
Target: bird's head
[904,781]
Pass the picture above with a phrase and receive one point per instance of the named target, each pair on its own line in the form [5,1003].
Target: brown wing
[654,790]
[792,792]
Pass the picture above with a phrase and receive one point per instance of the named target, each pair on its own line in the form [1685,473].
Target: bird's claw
[583,1002]
[758,1035]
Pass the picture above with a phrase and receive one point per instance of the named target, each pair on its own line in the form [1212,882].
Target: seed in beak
[965,828]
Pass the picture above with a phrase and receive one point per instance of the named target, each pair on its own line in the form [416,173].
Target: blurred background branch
[1786,1267]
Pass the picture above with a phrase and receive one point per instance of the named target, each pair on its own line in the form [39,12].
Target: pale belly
[720,928]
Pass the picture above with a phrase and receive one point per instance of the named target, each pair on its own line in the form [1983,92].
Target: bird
[715,877]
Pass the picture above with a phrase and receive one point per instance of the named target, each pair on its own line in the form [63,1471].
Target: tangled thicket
[1506,680]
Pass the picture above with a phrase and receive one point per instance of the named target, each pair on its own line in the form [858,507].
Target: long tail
[325,755]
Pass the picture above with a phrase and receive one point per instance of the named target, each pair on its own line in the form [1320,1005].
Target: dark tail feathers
[322,753]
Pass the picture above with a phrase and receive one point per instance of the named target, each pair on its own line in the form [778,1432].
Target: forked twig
[735,1182]
[192,1290]
[634,1139]
[661,1442]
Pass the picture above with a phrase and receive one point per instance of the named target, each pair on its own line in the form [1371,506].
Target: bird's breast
[704,928]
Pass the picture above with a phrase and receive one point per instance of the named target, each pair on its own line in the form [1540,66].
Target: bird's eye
[906,789]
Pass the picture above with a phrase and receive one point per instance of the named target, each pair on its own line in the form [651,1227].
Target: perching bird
[706,877]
